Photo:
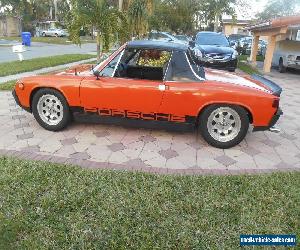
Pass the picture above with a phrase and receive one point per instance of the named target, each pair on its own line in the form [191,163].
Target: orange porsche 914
[154,80]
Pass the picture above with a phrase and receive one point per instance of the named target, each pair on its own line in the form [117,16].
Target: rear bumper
[273,121]
[18,101]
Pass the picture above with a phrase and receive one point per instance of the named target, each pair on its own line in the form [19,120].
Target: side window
[147,64]
[152,36]
[110,68]
[162,36]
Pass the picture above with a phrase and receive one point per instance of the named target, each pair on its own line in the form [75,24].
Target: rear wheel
[282,68]
[224,126]
[51,109]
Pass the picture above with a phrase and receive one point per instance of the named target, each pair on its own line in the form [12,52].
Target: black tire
[44,34]
[66,114]
[240,134]
[281,68]
[231,70]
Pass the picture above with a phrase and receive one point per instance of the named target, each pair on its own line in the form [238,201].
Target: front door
[128,86]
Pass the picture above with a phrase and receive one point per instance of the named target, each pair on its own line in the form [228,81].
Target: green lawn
[247,68]
[245,57]
[49,206]
[11,68]
[7,86]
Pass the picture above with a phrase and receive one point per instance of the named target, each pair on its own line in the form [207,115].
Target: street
[44,50]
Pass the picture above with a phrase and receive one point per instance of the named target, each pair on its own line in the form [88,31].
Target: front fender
[67,85]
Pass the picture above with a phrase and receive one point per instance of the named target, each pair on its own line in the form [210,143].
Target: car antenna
[76,72]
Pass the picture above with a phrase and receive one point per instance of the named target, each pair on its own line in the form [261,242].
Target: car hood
[215,49]
[81,70]
[254,82]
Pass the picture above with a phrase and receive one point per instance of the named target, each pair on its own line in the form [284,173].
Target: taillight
[275,103]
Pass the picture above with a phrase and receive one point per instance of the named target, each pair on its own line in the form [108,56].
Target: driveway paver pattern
[177,151]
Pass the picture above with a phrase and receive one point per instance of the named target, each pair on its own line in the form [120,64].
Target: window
[147,64]
[110,68]
[161,36]
[212,39]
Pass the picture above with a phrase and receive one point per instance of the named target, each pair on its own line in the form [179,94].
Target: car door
[119,94]
[184,93]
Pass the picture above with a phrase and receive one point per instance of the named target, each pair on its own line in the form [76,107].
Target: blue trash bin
[26,38]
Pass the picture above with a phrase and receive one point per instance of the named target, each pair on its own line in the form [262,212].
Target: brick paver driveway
[175,150]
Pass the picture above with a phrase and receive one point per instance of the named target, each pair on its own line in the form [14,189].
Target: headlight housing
[291,57]
[198,53]
[234,54]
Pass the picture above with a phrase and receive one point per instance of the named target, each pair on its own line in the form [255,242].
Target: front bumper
[273,121]
[293,64]
[18,101]
[221,64]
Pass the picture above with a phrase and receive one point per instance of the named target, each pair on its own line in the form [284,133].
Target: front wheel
[223,126]
[51,109]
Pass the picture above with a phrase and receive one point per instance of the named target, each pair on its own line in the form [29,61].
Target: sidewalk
[42,71]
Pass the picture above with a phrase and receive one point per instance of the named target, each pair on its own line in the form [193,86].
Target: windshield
[182,38]
[212,39]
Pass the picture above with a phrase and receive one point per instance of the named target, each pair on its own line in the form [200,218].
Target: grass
[50,206]
[7,85]
[259,58]
[11,68]
[247,68]
[51,40]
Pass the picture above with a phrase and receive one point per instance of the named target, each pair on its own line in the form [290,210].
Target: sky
[256,7]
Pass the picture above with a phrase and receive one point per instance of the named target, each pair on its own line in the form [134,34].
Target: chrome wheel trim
[224,124]
[50,109]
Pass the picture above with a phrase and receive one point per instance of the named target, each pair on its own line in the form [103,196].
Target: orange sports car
[153,80]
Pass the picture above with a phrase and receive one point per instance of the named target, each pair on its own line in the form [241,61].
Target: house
[283,38]
[234,27]
[9,26]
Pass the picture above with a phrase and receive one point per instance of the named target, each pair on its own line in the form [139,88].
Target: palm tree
[106,19]
[139,12]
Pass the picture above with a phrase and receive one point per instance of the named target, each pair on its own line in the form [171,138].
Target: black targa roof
[150,44]
[181,67]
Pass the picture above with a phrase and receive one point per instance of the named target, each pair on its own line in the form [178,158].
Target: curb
[88,164]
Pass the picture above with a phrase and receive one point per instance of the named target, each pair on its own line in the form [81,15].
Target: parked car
[233,38]
[183,38]
[244,46]
[214,51]
[157,81]
[286,55]
[165,36]
[54,32]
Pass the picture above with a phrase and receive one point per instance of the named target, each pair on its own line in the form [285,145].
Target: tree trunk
[120,5]
[216,23]
[99,51]
[55,9]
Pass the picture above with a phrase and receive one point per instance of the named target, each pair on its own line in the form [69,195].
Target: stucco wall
[229,29]
[9,26]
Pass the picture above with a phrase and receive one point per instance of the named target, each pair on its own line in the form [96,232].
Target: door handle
[163,87]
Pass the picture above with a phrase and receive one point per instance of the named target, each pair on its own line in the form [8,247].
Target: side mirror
[192,44]
[97,74]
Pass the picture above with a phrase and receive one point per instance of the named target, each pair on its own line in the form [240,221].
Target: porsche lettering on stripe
[136,115]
